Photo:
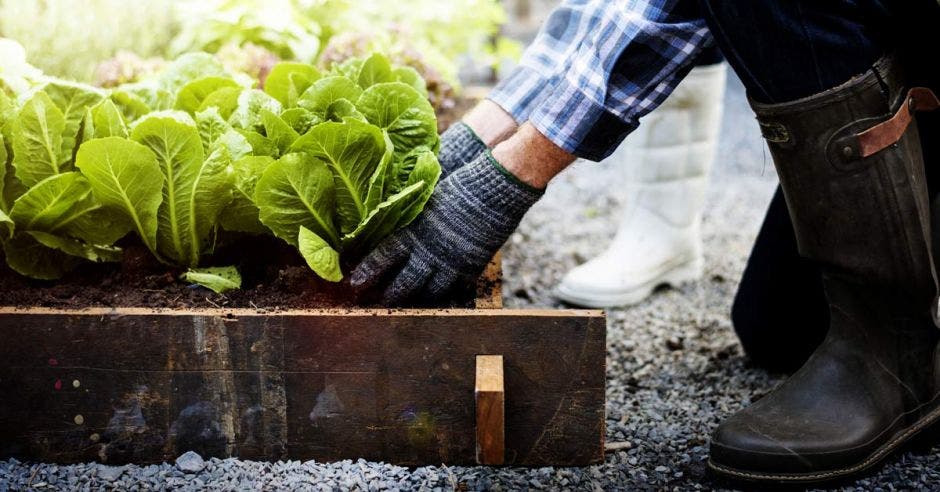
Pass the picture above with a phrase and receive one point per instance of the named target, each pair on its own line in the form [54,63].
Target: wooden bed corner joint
[490,399]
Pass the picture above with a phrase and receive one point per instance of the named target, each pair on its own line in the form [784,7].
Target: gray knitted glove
[459,145]
[466,221]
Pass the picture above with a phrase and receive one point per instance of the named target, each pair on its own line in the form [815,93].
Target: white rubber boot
[667,161]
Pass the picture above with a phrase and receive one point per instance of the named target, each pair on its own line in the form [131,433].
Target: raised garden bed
[144,384]
[174,279]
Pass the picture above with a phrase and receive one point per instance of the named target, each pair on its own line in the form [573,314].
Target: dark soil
[274,277]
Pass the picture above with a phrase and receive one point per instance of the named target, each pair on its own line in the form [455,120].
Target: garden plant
[329,162]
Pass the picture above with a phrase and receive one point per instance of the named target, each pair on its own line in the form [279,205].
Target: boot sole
[684,272]
[873,460]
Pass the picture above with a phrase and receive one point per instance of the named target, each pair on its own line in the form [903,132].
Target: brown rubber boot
[851,168]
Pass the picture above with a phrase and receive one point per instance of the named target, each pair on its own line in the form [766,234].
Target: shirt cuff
[520,92]
[579,125]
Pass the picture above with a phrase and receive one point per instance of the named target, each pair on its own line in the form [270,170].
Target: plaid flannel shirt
[597,66]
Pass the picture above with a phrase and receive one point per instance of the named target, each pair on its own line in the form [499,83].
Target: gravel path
[674,367]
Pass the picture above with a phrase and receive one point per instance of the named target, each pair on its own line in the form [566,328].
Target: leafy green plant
[329,162]
[51,219]
[365,167]
[77,178]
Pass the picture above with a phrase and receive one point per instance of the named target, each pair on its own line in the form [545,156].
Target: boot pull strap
[887,133]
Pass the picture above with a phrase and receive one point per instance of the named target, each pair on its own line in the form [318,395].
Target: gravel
[674,366]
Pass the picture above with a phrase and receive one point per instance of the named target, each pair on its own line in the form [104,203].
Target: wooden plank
[133,385]
[490,397]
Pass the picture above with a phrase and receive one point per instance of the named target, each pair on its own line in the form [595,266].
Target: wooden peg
[490,402]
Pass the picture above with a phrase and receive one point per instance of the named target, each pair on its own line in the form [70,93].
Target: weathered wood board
[133,385]
[490,395]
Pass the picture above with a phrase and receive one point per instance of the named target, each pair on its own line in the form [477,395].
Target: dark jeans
[786,50]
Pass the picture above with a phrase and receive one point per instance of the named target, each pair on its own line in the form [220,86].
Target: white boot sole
[685,272]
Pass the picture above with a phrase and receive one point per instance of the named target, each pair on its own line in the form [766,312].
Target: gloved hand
[459,145]
[468,218]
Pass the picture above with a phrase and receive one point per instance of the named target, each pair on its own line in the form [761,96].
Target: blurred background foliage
[67,38]
[109,42]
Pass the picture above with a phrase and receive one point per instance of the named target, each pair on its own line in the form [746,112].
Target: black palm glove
[459,145]
[466,221]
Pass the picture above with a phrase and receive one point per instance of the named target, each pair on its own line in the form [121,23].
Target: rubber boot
[667,161]
[852,172]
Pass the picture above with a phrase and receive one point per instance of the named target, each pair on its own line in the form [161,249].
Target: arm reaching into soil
[468,218]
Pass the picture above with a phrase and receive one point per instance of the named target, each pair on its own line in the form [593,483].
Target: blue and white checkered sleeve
[549,55]
[629,62]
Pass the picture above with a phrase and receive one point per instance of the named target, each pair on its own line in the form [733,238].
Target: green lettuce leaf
[191,97]
[242,214]
[79,249]
[404,113]
[300,119]
[211,127]
[349,68]
[278,131]
[52,203]
[401,169]
[196,187]
[297,191]
[215,131]
[341,109]
[72,99]
[30,258]
[352,150]
[319,255]
[217,279]
[7,109]
[324,92]
[251,104]
[7,226]
[260,145]
[427,170]
[65,205]
[411,77]
[288,81]
[132,106]
[10,187]
[126,177]
[375,70]
[108,120]
[224,99]
[37,140]
[382,221]
[4,158]
[379,183]
[100,121]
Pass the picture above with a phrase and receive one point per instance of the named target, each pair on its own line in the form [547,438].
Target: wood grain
[140,386]
[490,395]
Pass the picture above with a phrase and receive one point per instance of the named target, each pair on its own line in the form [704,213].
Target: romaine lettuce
[330,163]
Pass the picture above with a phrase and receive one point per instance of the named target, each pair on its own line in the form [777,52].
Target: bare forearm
[532,157]
[490,122]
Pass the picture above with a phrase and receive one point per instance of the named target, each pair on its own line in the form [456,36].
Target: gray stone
[110,473]
[190,462]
